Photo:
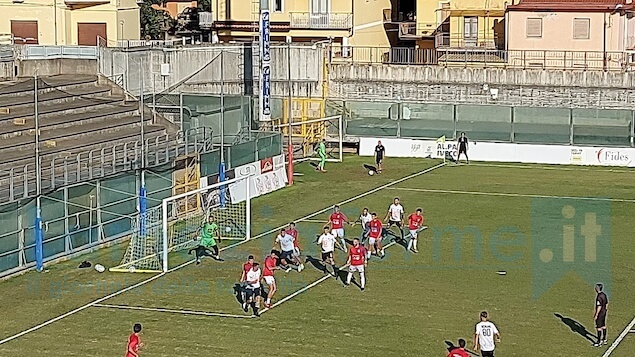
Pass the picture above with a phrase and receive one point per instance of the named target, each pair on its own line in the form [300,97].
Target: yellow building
[473,24]
[69,22]
[347,22]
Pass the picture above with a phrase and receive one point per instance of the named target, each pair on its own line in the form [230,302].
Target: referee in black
[601,307]
[380,153]
[462,144]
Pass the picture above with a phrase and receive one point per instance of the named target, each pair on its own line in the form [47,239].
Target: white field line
[143,282]
[315,283]
[479,193]
[619,169]
[184,312]
[72,312]
[619,338]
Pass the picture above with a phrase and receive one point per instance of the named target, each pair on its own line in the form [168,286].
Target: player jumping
[364,219]
[374,237]
[394,217]
[337,220]
[207,246]
[415,220]
[356,263]
[287,256]
[271,264]
[252,290]
[328,241]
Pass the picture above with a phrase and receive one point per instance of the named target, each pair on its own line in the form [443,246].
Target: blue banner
[265,68]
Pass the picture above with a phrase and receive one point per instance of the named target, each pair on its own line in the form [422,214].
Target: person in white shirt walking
[394,217]
[486,331]
[328,241]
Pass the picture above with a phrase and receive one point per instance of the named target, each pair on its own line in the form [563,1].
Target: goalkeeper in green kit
[207,246]
[322,153]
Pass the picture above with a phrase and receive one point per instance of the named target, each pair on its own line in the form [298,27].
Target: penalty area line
[619,338]
[143,282]
[480,193]
[313,284]
[172,311]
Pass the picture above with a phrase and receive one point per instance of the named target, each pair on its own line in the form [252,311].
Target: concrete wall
[459,85]
[56,66]
[199,69]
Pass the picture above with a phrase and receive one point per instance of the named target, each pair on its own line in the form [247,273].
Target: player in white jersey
[394,217]
[484,336]
[328,241]
[252,289]
[288,256]
[364,219]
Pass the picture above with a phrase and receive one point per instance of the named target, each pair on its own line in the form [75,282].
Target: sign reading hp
[570,235]
[265,66]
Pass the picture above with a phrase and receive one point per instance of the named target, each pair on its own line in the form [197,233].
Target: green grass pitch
[413,302]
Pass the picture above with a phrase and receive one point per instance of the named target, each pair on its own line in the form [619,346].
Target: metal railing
[447,40]
[332,21]
[34,52]
[477,57]
[407,30]
[19,182]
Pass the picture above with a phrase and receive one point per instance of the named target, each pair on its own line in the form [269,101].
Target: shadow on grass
[451,346]
[577,327]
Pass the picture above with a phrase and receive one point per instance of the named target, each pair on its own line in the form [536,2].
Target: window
[470,30]
[277,6]
[534,28]
[581,29]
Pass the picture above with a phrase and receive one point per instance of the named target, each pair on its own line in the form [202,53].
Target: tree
[153,22]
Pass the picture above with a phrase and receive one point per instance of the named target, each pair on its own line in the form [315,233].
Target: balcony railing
[446,40]
[408,31]
[319,21]
[485,58]
[390,16]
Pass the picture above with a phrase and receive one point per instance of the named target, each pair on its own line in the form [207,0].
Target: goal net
[174,225]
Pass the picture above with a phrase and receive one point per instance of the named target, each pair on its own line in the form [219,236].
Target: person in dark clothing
[462,148]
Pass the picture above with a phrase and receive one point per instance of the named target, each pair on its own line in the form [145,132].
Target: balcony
[317,21]
[394,17]
[446,40]
[408,31]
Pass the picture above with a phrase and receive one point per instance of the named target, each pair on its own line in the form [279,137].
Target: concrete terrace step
[27,99]
[75,105]
[9,128]
[90,129]
[62,81]
[16,156]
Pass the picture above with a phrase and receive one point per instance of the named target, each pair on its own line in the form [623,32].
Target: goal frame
[165,216]
[340,136]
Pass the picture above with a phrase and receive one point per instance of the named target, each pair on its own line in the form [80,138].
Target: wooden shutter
[534,27]
[87,33]
[24,32]
[581,29]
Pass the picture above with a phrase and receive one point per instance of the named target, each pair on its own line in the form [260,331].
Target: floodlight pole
[290,118]
[221,169]
[39,236]
[143,194]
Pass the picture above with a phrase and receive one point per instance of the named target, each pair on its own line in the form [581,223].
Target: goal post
[311,132]
[175,225]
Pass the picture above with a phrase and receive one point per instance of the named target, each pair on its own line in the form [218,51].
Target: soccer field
[482,218]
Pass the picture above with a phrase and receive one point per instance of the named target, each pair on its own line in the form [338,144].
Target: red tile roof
[571,5]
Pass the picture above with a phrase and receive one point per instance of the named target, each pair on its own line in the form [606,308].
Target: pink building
[570,33]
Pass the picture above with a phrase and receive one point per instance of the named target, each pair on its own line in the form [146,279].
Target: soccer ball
[228,229]
[371,172]
[100,268]
[132,269]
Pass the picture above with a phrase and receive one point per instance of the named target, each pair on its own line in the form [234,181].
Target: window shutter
[581,29]
[534,27]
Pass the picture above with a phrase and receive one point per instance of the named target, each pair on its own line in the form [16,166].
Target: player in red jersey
[356,263]
[415,221]
[243,277]
[374,237]
[271,264]
[292,231]
[458,351]
[133,342]
[337,220]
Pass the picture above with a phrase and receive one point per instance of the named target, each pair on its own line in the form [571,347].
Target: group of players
[286,254]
